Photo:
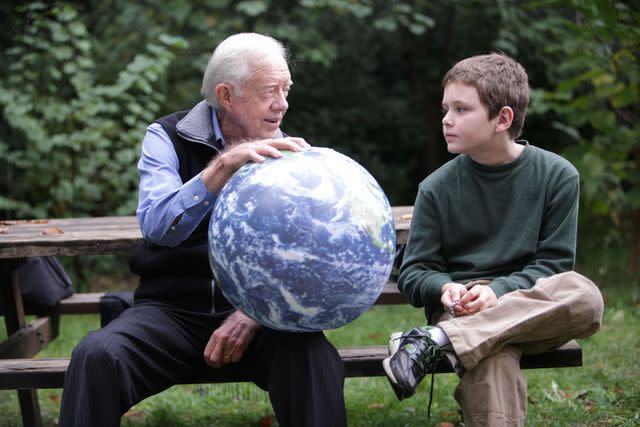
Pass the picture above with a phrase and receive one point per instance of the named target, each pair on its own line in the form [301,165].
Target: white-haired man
[181,325]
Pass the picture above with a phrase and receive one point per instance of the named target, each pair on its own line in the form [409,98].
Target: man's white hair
[232,62]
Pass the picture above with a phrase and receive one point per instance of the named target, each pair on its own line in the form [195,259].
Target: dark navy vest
[180,276]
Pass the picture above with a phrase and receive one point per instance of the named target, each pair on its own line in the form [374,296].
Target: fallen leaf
[24,221]
[375,405]
[55,398]
[135,416]
[52,230]
[590,407]
[375,335]
[266,421]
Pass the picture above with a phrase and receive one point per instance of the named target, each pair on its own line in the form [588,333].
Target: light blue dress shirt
[168,209]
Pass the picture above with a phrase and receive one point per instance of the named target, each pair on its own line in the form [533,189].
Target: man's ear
[505,118]
[223,94]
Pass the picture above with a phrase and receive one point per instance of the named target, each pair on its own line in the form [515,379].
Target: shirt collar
[217,132]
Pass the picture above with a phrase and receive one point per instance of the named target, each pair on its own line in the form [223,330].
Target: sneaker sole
[394,342]
[392,380]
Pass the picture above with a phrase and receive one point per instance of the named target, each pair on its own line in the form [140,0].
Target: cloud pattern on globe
[304,242]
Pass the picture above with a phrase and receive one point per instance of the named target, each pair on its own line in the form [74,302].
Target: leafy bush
[69,143]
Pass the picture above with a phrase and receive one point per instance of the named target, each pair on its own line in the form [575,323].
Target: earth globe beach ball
[302,243]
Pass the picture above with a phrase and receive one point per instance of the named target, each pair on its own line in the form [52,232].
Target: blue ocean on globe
[302,243]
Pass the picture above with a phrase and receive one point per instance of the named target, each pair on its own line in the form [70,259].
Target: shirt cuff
[194,195]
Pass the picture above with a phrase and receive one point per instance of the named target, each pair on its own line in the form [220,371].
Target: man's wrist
[216,174]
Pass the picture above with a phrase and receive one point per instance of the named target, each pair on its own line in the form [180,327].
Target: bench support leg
[30,408]
[11,302]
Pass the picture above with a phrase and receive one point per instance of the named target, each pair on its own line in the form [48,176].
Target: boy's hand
[452,296]
[478,298]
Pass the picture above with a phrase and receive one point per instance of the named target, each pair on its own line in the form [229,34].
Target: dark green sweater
[512,224]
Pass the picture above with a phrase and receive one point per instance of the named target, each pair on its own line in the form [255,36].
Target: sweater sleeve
[422,273]
[557,242]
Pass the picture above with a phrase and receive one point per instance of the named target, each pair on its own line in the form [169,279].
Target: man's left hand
[228,343]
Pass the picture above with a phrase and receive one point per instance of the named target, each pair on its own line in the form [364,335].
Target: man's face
[466,125]
[257,111]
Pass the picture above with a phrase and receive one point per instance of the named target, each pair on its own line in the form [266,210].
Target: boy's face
[466,125]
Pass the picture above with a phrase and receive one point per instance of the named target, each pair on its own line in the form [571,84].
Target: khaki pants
[492,389]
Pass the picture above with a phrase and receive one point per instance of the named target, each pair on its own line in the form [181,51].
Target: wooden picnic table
[69,237]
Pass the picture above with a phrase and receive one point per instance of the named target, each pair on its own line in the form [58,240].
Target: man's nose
[280,102]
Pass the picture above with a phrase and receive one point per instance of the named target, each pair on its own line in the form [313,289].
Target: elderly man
[181,325]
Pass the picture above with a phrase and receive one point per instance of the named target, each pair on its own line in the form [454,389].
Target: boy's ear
[505,118]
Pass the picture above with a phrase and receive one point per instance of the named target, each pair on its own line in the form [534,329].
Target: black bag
[43,282]
[112,304]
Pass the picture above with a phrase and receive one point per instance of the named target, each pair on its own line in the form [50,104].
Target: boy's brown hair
[500,81]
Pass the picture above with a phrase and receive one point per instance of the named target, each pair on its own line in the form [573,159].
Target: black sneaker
[413,354]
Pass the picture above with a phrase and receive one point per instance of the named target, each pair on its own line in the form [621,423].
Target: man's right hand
[228,343]
[218,172]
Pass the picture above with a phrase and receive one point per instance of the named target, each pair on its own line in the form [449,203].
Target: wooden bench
[89,236]
[359,361]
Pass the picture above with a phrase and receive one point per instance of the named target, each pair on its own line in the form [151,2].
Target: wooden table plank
[103,235]
[80,236]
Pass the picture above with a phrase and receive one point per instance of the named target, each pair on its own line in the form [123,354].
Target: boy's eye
[461,109]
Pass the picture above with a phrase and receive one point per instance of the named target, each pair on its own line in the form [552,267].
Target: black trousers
[152,346]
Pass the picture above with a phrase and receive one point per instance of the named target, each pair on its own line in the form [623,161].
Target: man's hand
[228,343]
[218,172]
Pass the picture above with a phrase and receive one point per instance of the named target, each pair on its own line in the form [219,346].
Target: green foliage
[590,53]
[367,83]
[70,143]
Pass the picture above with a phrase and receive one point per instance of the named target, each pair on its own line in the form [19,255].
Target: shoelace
[432,352]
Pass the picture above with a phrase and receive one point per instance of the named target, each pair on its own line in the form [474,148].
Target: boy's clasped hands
[463,300]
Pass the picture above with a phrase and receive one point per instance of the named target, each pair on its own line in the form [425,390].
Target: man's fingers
[288,143]
[299,141]
[212,353]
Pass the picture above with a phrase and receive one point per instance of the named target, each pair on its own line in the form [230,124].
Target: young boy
[490,250]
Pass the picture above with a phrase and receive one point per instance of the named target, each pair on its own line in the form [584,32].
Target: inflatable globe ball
[302,243]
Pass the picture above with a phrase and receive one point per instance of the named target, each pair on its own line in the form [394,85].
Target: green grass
[604,392]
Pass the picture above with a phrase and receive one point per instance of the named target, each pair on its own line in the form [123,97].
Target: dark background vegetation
[81,80]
